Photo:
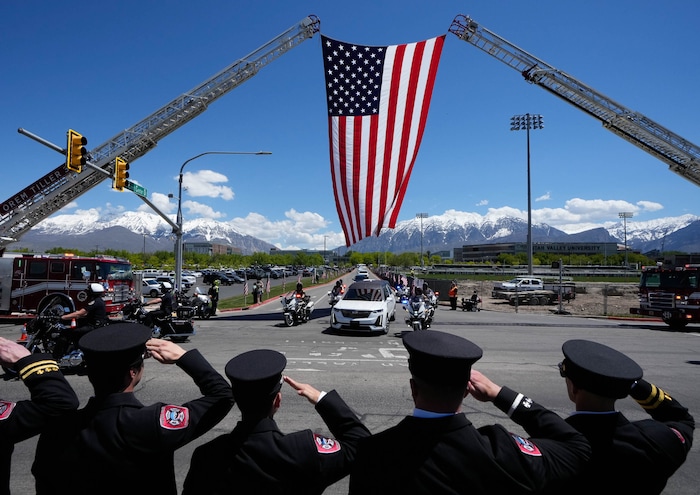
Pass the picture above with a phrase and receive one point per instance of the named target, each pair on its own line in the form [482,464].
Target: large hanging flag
[378,99]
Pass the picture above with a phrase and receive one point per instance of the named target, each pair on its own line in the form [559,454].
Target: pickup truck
[526,290]
[520,283]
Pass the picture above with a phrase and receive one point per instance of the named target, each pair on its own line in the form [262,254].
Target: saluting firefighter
[628,456]
[256,457]
[115,444]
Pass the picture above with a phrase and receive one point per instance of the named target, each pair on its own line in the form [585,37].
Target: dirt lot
[592,299]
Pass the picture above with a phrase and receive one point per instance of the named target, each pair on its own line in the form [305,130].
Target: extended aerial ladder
[682,156]
[59,187]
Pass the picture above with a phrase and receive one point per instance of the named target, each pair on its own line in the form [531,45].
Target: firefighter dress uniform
[51,396]
[445,453]
[631,456]
[116,444]
[257,458]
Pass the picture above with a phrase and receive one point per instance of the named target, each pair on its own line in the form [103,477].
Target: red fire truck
[30,283]
[671,293]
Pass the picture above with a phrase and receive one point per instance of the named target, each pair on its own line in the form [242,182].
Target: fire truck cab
[671,293]
[31,283]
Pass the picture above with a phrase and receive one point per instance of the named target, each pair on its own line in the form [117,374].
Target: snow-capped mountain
[136,231]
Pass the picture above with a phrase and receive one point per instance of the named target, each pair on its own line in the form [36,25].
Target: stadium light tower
[421,216]
[625,215]
[519,123]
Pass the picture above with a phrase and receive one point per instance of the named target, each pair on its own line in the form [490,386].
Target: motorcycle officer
[166,305]
[302,298]
[93,315]
[338,289]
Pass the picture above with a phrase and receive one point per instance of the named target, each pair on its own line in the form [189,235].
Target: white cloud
[544,197]
[650,206]
[200,210]
[299,229]
[483,202]
[162,202]
[206,183]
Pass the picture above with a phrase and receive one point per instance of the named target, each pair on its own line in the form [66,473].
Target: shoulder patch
[174,417]
[6,409]
[325,445]
[526,446]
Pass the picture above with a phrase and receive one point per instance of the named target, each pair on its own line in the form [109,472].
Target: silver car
[366,306]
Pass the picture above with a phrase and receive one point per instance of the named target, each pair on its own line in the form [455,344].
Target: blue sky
[101,67]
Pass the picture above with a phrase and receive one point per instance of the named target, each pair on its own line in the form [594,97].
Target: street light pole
[178,219]
[518,123]
[421,216]
[625,215]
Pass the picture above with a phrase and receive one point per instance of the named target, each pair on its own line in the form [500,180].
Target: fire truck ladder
[59,187]
[681,155]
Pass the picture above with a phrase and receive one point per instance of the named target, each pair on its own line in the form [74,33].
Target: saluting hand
[11,352]
[164,351]
[305,390]
[481,388]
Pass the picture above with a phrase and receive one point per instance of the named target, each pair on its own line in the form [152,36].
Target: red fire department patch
[6,409]
[526,446]
[325,445]
[174,417]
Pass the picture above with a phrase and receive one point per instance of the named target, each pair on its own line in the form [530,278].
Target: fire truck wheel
[675,323]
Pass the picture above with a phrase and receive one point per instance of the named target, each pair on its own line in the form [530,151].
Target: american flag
[378,99]
[267,287]
[245,288]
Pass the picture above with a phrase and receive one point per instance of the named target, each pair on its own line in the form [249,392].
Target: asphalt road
[371,373]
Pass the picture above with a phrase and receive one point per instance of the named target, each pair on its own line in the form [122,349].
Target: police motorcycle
[46,333]
[200,302]
[336,294]
[419,312]
[296,308]
[177,328]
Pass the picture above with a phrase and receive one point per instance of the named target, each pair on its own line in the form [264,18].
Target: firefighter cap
[256,374]
[115,345]
[599,369]
[441,358]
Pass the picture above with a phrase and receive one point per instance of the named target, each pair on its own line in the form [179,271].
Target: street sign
[136,189]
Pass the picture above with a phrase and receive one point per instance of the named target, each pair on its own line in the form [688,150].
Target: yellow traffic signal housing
[121,173]
[76,153]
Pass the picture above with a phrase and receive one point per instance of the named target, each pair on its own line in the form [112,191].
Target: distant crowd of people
[116,444]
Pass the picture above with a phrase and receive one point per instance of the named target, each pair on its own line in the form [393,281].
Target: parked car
[366,306]
[150,287]
[220,276]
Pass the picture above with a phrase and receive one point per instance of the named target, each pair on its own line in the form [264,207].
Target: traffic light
[121,168]
[76,153]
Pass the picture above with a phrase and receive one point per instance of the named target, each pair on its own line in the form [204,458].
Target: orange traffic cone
[72,323]
[23,336]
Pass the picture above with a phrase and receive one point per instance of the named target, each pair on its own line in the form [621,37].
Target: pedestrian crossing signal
[121,173]
[76,153]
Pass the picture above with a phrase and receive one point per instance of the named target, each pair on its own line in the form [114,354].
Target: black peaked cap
[115,345]
[256,373]
[441,358]
[599,369]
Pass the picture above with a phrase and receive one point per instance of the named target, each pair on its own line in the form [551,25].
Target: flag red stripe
[425,104]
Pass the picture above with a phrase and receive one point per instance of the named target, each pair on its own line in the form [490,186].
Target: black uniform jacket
[259,459]
[96,313]
[51,396]
[449,455]
[117,445]
[635,457]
